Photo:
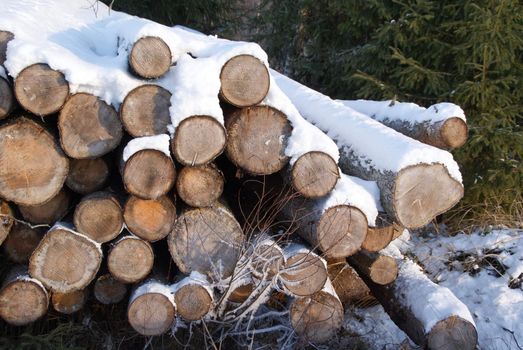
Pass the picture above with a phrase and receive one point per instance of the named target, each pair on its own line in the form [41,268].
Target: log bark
[41,90]
[304,272]
[380,269]
[69,303]
[34,167]
[87,175]
[149,174]
[257,138]
[7,99]
[6,220]
[145,111]
[21,242]
[130,259]
[108,290]
[150,57]
[151,309]
[89,127]
[23,299]
[244,80]
[348,285]
[267,258]
[65,260]
[50,212]
[318,317]
[149,219]
[193,297]
[379,236]
[207,240]
[198,140]
[99,216]
[5,38]
[240,294]
[200,186]
[314,174]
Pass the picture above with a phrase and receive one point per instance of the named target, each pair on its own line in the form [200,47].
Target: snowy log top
[377,146]
[194,278]
[67,227]
[158,142]
[152,286]
[406,111]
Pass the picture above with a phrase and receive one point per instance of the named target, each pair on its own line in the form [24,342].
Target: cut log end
[381,235]
[5,38]
[314,174]
[383,270]
[87,175]
[108,290]
[130,260]
[304,274]
[198,140]
[200,186]
[41,90]
[454,132]
[244,81]
[149,219]
[23,301]
[151,314]
[452,333]
[69,303]
[49,212]
[150,57]
[193,301]
[348,285]
[241,294]
[422,192]
[7,99]
[21,242]
[6,220]
[145,111]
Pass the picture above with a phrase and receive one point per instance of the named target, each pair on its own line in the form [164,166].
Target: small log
[314,174]
[150,57]
[200,186]
[145,111]
[149,219]
[65,260]
[89,127]
[257,138]
[108,290]
[34,167]
[87,175]
[304,272]
[244,80]
[380,269]
[41,90]
[99,216]
[22,299]
[151,309]
[6,220]
[318,317]
[21,242]
[49,212]
[5,38]
[379,236]
[69,303]
[7,99]
[207,240]
[198,140]
[348,285]
[130,259]
[193,297]
[241,293]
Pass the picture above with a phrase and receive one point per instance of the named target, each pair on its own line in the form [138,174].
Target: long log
[7,98]
[49,212]
[65,260]
[69,303]
[41,90]
[348,285]
[379,236]
[34,167]
[149,219]
[5,38]
[150,57]
[314,174]
[89,127]
[108,290]
[380,269]
[145,111]
[193,296]
[6,220]
[417,182]
[87,175]
[99,216]
[200,186]
[130,259]
[21,242]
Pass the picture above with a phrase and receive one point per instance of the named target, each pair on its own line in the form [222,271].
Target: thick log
[193,297]
[145,111]
[99,216]
[69,303]
[130,259]
[149,219]
[87,175]
[41,90]
[200,186]
[7,99]
[5,38]
[257,138]
[198,140]
[89,127]
[318,317]
[21,242]
[379,236]
[150,57]
[108,290]
[50,212]
[314,174]
[207,240]
[22,299]
[34,167]
[244,80]
[380,269]
[348,285]
[304,272]
[151,309]
[6,220]
[65,260]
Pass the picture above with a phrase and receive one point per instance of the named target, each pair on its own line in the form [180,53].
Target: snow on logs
[21,242]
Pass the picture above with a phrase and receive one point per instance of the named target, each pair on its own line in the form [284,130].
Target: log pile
[100,194]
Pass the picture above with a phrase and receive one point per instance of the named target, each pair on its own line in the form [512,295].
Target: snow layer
[194,278]
[405,111]
[152,286]
[292,249]
[157,142]
[377,146]
[67,227]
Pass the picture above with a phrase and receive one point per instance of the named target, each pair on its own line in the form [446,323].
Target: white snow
[194,278]
[157,142]
[67,227]
[152,286]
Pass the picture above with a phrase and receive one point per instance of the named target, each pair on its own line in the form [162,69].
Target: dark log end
[87,175]
[21,242]
[50,212]
[7,99]
[108,290]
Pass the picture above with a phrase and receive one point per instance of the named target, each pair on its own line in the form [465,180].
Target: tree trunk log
[200,186]
[6,220]
[379,236]
[50,212]
[149,219]
[69,303]
[21,242]
[41,90]
[348,285]
[257,138]
[65,260]
[130,259]
[244,80]
[108,290]
[5,38]
[314,174]
[34,167]
[145,111]
[7,99]
[150,57]
[99,216]
[380,269]
[87,175]
[193,297]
